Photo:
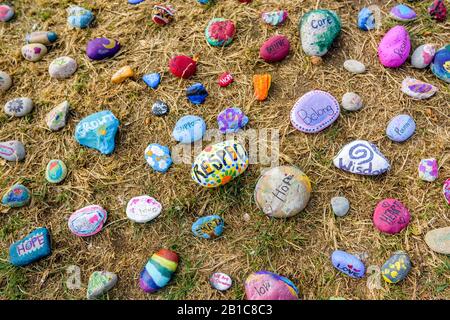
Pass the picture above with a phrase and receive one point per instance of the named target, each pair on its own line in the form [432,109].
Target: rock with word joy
[391,216]
[143,209]
[348,264]
[35,246]
[87,221]
[265,285]
[158,271]
[209,227]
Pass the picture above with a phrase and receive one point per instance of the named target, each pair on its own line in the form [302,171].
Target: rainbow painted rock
[396,268]
[99,283]
[44,37]
[17,196]
[79,17]
[35,246]
[102,48]
[428,169]
[143,209]
[441,64]
[220,163]
[275,49]
[265,285]
[395,47]
[6,12]
[12,150]
[57,117]
[34,51]
[348,264]
[423,56]
[401,128]
[87,221]
[18,107]
[403,13]
[417,89]
[56,171]
[446,190]
[391,216]
[182,66]
[438,10]
[439,240]
[274,18]
[158,271]
[209,227]
[163,14]
[231,120]
[220,32]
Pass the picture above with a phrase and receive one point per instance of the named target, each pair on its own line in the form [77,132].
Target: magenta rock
[391,216]
[225,79]
[265,285]
[395,47]
[446,190]
[428,169]
[275,49]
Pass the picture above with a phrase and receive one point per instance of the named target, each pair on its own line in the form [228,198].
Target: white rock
[62,67]
[57,117]
[34,51]
[143,209]
[340,206]
[351,101]
[18,107]
[5,81]
[418,89]
[354,66]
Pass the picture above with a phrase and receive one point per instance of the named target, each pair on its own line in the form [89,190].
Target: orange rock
[261,83]
[316,60]
[122,74]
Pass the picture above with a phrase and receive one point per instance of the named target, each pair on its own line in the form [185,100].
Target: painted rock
[189,129]
[6,12]
[143,209]
[351,101]
[403,13]
[34,51]
[17,196]
[12,150]
[396,268]
[274,18]
[446,190]
[99,283]
[423,56]
[219,163]
[135,1]
[57,117]
[401,128]
[62,67]
[394,48]
[314,111]
[225,79]
[318,30]
[79,17]
[183,67]
[35,246]
[209,227]
[348,264]
[428,169]
[18,107]
[163,14]
[366,19]
[158,271]
[265,285]
[5,81]
[245,1]
[196,93]
[158,157]
[354,66]
[340,206]
[98,131]
[160,108]
[441,64]
[231,120]
[102,48]
[87,221]
[439,240]
[122,74]
[204,1]
[417,89]
[275,49]
[220,281]
[361,157]
[437,10]
[56,171]
[261,85]
[220,32]
[44,37]
[391,216]
[152,80]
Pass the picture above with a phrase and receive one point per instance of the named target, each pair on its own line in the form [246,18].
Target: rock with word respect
[182,66]
[274,18]
[265,285]
[231,120]
[143,209]
[62,67]
[446,191]
[87,221]
[56,171]
[44,37]
[428,169]
[158,157]
[6,12]
[209,227]
[57,117]
[348,264]
[391,216]
[196,93]
[261,85]
[158,271]
[99,283]
[220,32]
[438,10]
[340,206]
[163,14]
[189,129]
[17,196]
[18,107]
[403,13]
[417,89]
[275,49]
[394,47]
[152,80]
[366,19]
[35,246]
[225,79]
[401,128]
[12,150]
[354,66]
[34,51]
[423,56]
[5,81]
[396,268]
[351,101]
[122,74]
[220,281]
[79,17]
[102,48]
[441,64]
[160,108]
[438,240]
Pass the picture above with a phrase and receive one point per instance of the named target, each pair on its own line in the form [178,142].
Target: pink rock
[394,48]
[225,79]
[265,285]
[275,49]
[391,216]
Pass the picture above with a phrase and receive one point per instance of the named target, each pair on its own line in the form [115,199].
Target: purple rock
[231,120]
[102,48]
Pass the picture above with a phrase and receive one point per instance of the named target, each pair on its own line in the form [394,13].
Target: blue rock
[441,64]
[158,157]
[196,93]
[204,1]
[135,1]
[231,120]
[396,268]
[189,129]
[98,131]
[366,19]
[35,246]
[152,80]
[401,128]
[208,227]
[348,264]
[17,196]
[79,17]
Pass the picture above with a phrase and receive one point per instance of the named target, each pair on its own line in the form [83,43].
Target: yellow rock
[123,74]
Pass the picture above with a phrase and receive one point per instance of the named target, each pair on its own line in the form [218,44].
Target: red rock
[183,67]
[275,49]
[245,1]
[225,79]
[391,216]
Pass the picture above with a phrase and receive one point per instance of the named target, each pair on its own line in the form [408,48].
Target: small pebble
[5,81]
[160,108]
[340,206]
[354,66]
[428,169]
[152,80]
[17,196]
[57,117]
[122,74]
[99,283]
[18,107]
[220,281]
[62,67]
[158,157]
[56,171]
[196,93]
[351,101]
[34,51]
[12,150]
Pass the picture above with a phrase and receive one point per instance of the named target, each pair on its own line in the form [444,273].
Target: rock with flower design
[143,209]
[441,63]
[396,268]
[18,107]
[428,169]
[438,10]
[231,120]
[220,32]
[274,18]
[12,150]
[5,81]
[348,264]
[79,17]
[6,12]
[158,157]
[34,51]
[62,67]
[17,196]
[57,117]
[423,56]
[418,89]
[100,282]
[163,14]
[446,190]
[56,171]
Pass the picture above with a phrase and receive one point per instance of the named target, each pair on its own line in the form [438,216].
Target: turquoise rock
[441,64]
[56,171]
[208,227]
[17,196]
[35,246]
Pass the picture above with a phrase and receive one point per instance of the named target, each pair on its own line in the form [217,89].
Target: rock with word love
[100,282]
[441,64]
[79,17]
[209,227]
[265,285]
[417,89]
[391,216]
[16,196]
[87,221]
[35,246]
[220,281]
[143,209]
[394,48]
[57,117]
[396,268]
[428,169]
[56,171]
[438,240]
[12,150]
[102,48]
[158,271]
[189,129]
[348,264]
[401,128]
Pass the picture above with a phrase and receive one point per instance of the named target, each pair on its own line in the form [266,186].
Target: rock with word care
[446,190]
[44,37]
[160,108]
[163,14]
[401,128]
[423,56]
[6,12]
[417,89]
[428,169]
[396,268]
[219,163]
[275,49]
[102,48]
[231,120]
[79,17]
[314,111]
[437,10]
[340,206]
[12,150]
[158,271]
[99,283]
[62,67]
[196,93]
[34,51]
[225,79]
[87,221]
[363,158]
[152,80]
[391,216]
[265,285]
[189,129]
[394,47]
[318,30]
[182,66]
[403,13]
[261,85]
[220,32]
[220,281]
[98,131]
[122,74]
[275,18]
[56,171]
[348,264]
[282,192]
[354,66]
[441,64]
[57,117]
[351,101]
[143,209]
[35,246]
[366,19]
[5,81]
[158,157]
[18,107]
[209,227]
[16,196]
[439,240]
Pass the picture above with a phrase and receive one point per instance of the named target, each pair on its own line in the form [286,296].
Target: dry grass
[298,248]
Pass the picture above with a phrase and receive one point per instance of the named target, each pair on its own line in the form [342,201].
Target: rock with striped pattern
[158,271]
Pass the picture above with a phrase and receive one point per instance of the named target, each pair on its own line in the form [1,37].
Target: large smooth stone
[403,13]
[423,56]
[274,18]
[391,216]
[282,192]
[87,221]
[158,271]
[265,285]
[361,157]
[275,49]
[12,150]
[314,111]
[401,128]
[182,66]
[209,227]
[220,281]
[189,129]
[5,81]
[428,169]
[99,283]
[366,19]
[231,120]
[6,12]
[34,51]
[441,64]
[17,196]
[396,268]
[220,32]
[57,117]
[98,131]
[446,191]
[417,89]
[196,93]
[44,37]
[395,47]
[56,171]
[18,107]
[219,163]
[102,48]
[351,101]
[79,17]
[354,66]
[348,264]
[62,67]
[143,209]
[158,157]
[439,240]
[35,246]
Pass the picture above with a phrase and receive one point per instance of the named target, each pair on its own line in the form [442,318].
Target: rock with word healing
[5,81]
[403,13]
[102,48]
[265,285]
[152,80]
[282,192]
[231,120]
[79,17]
[275,49]
[99,283]
[396,268]
[34,51]
[391,216]
[351,101]
[189,129]
[366,19]
[401,128]
[6,12]
[261,85]
[441,64]
[438,10]
[182,66]
[354,66]
[44,37]
[361,157]
[423,56]
[143,209]
[428,169]
[160,108]
[219,163]
[225,79]
[348,264]
[196,93]
[274,18]
[158,271]
[62,67]
[340,206]
[35,246]
[209,227]
[56,171]
[417,89]
[12,150]
[158,157]
[122,74]
[17,196]
[394,47]
[220,32]
[220,281]
[87,221]
[98,131]
[18,107]
[446,191]
[438,240]
[163,14]
[57,117]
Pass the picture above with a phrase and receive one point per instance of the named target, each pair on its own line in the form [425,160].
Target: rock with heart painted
[441,64]
[428,169]
[401,128]
[189,129]
[143,209]
[423,56]
[62,67]
[394,47]
[396,268]
[79,17]
[220,32]
[348,264]
[18,107]
[209,227]
[17,196]
[275,49]
[158,271]
[220,281]
[87,221]
[274,18]
[438,240]
[99,283]
[12,150]
[403,13]
[417,89]
[265,285]
[6,12]
[34,51]
[158,157]
[35,246]
[102,48]
[5,81]
[56,171]
[391,216]
[57,117]
[231,120]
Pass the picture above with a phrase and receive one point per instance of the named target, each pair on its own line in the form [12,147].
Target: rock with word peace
[401,128]
[100,282]
[428,169]
[158,271]
[403,13]
[34,51]
[87,221]
[391,216]
[79,17]
[265,285]
[340,206]
[189,129]
[62,67]
[441,64]
[35,246]
[354,66]
[160,108]
[394,48]
[231,120]
[348,264]
[12,150]
[18,107]
[6,12]
[196,93]
[275,48]
[158,157]
[417,89]
[220,281]
[209,227]
[366,19]
[163,14]
[5,81]
[351,101]
[56,171]
[274,18]
[44,37]
[152,80]
[439,240]
[423,56]
[220,32]
[446,191]
[396,268]
[102,48]
[17,196]
[57,117]
[143,209]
